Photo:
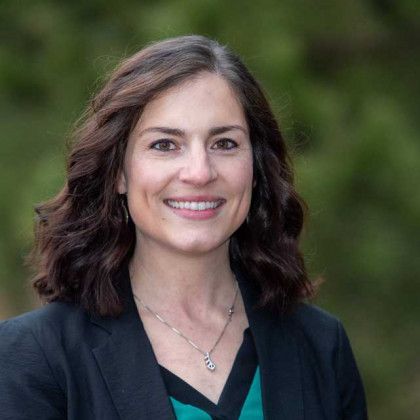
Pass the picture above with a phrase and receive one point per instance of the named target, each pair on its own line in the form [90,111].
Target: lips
[195,207]
[196,198]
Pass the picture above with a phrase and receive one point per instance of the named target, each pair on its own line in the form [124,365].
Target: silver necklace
[207,359]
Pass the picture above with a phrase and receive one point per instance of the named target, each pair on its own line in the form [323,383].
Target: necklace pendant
[209,363]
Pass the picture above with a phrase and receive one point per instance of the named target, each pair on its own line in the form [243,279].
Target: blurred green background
[343,79]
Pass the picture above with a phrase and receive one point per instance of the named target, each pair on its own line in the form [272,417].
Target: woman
[170,262]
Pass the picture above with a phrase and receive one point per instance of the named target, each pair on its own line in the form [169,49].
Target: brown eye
[226,144]
[164,145]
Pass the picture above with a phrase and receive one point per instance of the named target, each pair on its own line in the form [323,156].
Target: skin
[180,266]
[187,165]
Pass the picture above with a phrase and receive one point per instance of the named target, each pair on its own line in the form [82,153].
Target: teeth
[194,205]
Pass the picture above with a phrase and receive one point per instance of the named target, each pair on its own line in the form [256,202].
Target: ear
[121,183]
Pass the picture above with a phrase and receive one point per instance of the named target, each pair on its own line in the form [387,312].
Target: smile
[194,205]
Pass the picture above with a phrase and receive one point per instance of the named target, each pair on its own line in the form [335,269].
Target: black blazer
[58,362]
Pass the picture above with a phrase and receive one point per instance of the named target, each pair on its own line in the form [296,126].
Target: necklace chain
[209,363]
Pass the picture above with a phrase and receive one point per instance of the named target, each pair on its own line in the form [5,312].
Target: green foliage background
[343,79]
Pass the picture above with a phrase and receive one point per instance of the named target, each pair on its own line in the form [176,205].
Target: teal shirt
[240,397]
[252,408]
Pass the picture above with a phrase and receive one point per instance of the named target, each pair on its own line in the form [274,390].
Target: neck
[190,285]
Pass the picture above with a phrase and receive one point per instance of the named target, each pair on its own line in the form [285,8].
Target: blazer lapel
[131,371]
[128,364]
[278,357]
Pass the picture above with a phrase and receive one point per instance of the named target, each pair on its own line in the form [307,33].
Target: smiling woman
[170,265]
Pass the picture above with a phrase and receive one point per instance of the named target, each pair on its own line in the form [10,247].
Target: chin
[197,245]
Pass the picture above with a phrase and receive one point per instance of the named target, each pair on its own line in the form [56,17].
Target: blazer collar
[132,374]
[278,355]
[128,364]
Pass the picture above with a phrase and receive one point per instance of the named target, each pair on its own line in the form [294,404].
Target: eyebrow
[180,133]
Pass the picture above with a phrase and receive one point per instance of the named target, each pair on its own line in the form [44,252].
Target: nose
[198,168]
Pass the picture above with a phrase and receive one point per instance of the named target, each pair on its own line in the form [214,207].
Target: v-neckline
[129,367]
[235,389]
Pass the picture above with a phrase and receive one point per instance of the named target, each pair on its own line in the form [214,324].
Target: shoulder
[38,352]
[52,316]
[324,342]
[322,337]
[39,343]
[315,321]
[319,332]
[310,313]
[46,330]
[28,380]
[20,332]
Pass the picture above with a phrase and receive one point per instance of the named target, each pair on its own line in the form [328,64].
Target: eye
[164,145]
[226,144]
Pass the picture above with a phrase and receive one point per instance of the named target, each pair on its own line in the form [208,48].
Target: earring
[125,211]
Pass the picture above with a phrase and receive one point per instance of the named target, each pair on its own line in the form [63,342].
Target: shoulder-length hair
[81,235]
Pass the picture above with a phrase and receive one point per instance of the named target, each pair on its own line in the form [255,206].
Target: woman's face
[190,149]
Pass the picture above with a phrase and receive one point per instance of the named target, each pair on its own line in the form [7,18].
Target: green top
[252,408]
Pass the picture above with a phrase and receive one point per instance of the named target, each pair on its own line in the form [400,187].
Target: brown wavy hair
[81,237]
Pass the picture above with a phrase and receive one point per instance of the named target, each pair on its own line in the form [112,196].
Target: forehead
[203,100]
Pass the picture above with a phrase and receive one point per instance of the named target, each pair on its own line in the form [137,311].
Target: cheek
[242,173]
[146,177]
